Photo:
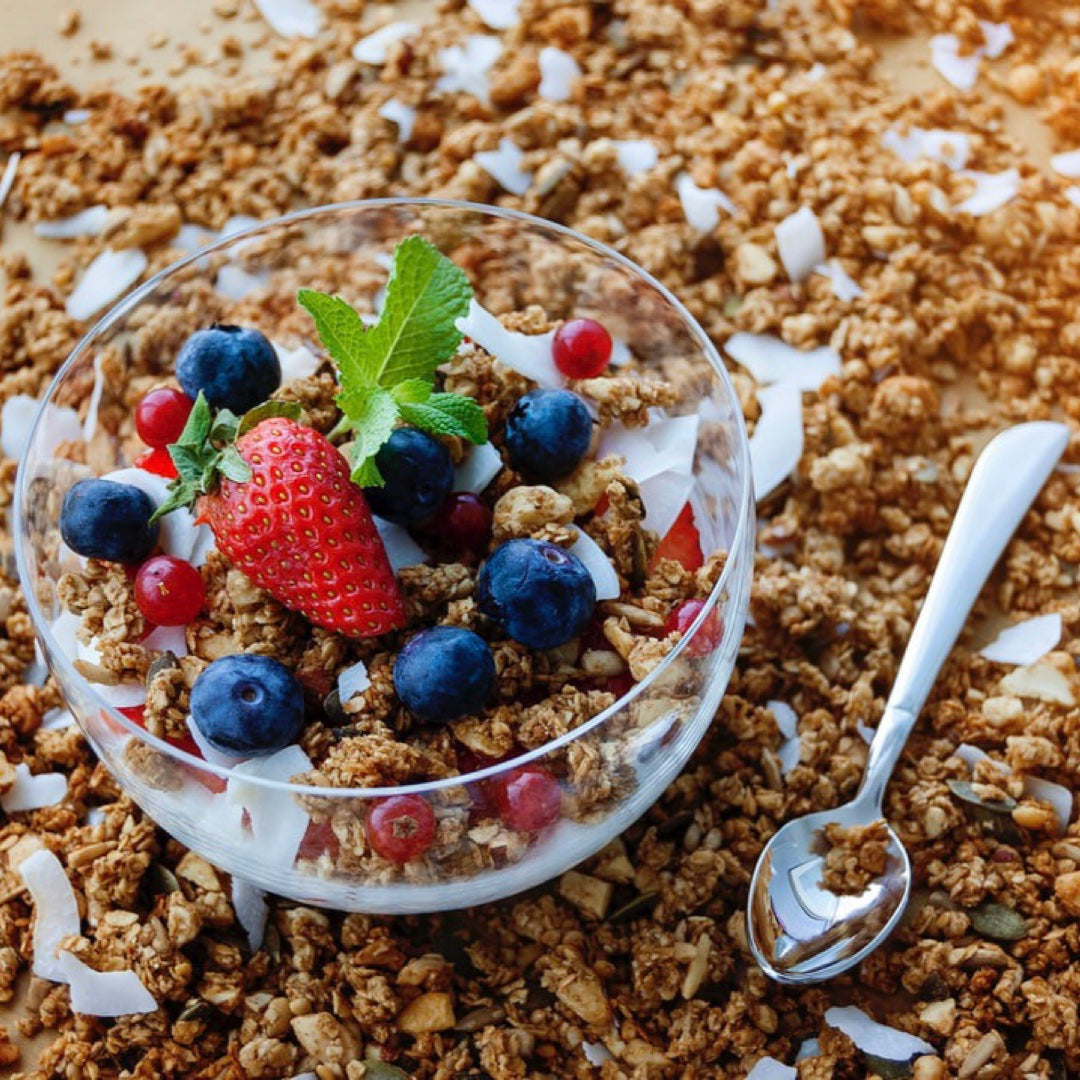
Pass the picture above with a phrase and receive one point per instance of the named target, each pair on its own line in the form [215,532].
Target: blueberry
[548,433]
[248,705]
[418,475]
[103,519]
[234,366]
[538,593]
[444,673]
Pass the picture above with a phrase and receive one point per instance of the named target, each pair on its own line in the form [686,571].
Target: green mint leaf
[448,414]
[340,330]
[411,391]
[366,474]
[233,466]
[372,416]
[290,410]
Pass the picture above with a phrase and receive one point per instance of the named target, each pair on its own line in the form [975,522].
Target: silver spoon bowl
[799,930]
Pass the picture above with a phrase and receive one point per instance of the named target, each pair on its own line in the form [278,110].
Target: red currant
[168,591]
[401,827]
[709,634]
[158,462]
[582,348]
[528,798]
[161,416]
[320,837]
[463,522]
[682,542]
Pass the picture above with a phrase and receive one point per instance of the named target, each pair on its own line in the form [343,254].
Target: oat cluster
[965,324]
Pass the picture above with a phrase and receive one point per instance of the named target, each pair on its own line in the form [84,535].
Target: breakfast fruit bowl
[405,555]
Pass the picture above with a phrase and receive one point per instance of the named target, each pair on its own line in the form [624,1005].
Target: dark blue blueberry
[234,366]
[548,433]
[248,705]
[538,593]
[103,519]
[418,475]
[444,673]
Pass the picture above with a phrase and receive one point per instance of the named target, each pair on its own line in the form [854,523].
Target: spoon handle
[1006,478]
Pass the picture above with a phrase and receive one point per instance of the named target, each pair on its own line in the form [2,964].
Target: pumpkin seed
[480,1018]
[197,1010]
[965,791]
[639,905]
[162,880]
[887,1070]
[379,1070]
[164,662]
[996,921]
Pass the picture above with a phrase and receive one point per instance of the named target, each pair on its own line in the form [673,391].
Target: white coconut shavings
[504,166]
[375,47]
[620,352]
[234,282]
[786,718]
[666,445]
[810,1048]
[768,1068]
[596,1053]
[190,238]
[352,681]
[498,14]
[401,549]
[528,354]
[278,822]
[56,911]
[88,222]
[598,564]
[208,752]
[95,816]
[771,360]
[664,496]
[801,243]
[298,363]
[107,278]
[104,993]
[16,420]
[404,116]
[972,755]
[238,223]
[7,177]
[558,71]
[480,465]
[1041,681]
[57,719]
[30,792]
[874,1038]
[75,117]
[291,18]
[465,67]
[1060,798]
[950,147]
[1025,642]
[178,532]
[997,37]
[992,191]
[204,544]
[844,286]
[1072,193]
[701,206]
[1067,164]
[249,903]
[777,443]
[305,1076]
[963,70]
[90,423]
[866,733]
[635,156]
[65,630]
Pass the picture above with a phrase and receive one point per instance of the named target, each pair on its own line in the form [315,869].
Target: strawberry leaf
[268,409]
[233,466]
[448,414]
[372,416]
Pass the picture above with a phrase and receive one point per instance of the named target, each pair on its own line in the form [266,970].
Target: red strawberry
[682,542]
[301,529]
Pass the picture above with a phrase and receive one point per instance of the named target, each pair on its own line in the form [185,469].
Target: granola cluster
[636,964]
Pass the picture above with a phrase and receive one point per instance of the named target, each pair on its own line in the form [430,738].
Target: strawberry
[682,542]
[283,509]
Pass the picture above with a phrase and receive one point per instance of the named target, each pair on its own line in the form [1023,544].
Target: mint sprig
[387,371]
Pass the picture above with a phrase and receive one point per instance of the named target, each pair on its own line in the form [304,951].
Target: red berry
[400,827]
[464,522]
[135,713]
[168,591]
[682,542]
[319,837]
[619,684]
[161,416]
[582,348]
[528,798]
[157,462]
[708,636]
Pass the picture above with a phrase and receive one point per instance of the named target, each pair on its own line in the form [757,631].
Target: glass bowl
[307,842]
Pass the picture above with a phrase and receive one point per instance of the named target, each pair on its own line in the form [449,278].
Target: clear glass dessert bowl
[306,840]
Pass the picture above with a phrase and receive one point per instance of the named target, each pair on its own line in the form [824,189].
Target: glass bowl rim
[123,307]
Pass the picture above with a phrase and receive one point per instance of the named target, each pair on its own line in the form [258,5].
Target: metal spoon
[799,931]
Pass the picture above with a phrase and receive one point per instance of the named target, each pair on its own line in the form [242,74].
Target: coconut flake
[528,354]
[635,156]
[1067,164]
[30,792]
[278,822]
[75,117]
[234,282]
[249,903]
[178,533]
[401,549]
[375,47]
[961,71]
[816,72]
[596,1053]
[88,222]
[504,166]
[57,719]
[1060,798]
[190,238]
[238,223]
[777,443]
[16,420]
[7,177]
[298,363]
[810,1048]
[949,147]
[95,816]
[56,911]
[90,424]
[801,243]
[771,360]
[1040,681]
[620,352]
[997,38]
[664,496]
[786,718]
[1072,193]
[768,1068]
[204,544]
[404,116]
[352,681]
[598,564]
[844,287]
[110,275]
[465,67]
[992,191]
[666,445]
[1025,642]
[498,14]
[701,206]
[973,755]
[291,18]
[104,993]
[480,465]
[558,70]
[874,1038]
[210,753]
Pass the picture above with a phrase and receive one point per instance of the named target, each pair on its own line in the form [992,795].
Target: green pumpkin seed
[996,921]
